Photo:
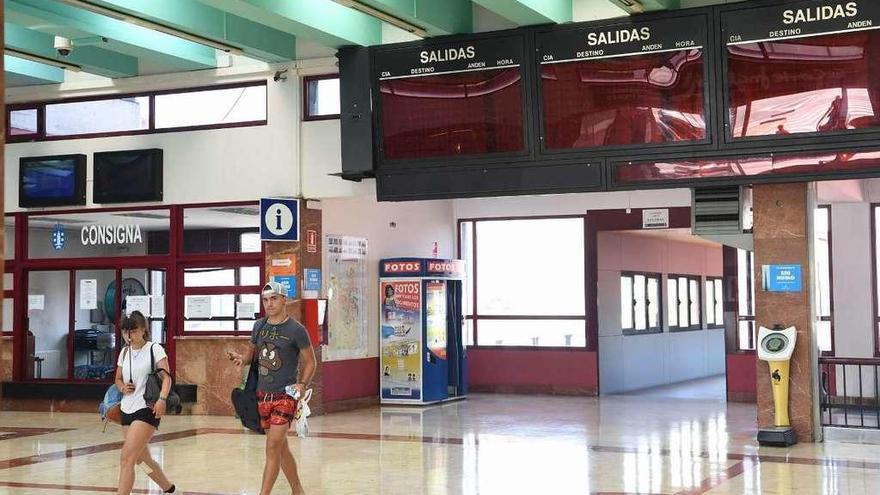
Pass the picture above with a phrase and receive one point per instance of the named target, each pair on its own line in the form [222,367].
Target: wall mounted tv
[52,181]
[128,176]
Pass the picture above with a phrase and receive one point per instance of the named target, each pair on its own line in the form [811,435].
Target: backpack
[244,400]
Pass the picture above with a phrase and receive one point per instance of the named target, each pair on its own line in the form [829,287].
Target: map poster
[400,339]
[346,291]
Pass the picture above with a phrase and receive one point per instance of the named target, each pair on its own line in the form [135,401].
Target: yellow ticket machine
[776,346]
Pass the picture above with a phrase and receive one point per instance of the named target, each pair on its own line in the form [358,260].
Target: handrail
[852,361]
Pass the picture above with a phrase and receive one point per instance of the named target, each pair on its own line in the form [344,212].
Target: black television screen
[52,180]
[128,176]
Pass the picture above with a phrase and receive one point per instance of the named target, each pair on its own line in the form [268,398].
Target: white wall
[199,166]
[418,225]
[633,362]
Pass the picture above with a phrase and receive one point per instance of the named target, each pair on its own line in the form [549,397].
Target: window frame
[699,302]
[306,115]
[749,304]
[718,299]
[474,317]
[874,276]
[40,106]
[648,328]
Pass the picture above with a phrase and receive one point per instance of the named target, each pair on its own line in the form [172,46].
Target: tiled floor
[711,388]
[489,444]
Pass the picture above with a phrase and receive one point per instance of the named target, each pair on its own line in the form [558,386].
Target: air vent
[717,211]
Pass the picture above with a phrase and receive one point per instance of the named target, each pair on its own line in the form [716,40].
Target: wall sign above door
[477,54]
[800,20]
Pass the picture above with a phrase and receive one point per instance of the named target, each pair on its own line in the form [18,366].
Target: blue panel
[782,278]
[435,374]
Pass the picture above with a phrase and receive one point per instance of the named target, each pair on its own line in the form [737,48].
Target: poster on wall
[400,345]
[88,294]
[137,303]
[346,265]
[435,333]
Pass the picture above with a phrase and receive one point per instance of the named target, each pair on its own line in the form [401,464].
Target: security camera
[280,75]
[63,46]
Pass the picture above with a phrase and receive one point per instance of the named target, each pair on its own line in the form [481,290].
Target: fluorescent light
[145,23]
[384,16]
[633,6]
[42,60]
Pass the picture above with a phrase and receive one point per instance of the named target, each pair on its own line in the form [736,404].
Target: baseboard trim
[535,389]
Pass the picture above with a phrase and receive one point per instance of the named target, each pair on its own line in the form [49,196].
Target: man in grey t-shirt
[277,345]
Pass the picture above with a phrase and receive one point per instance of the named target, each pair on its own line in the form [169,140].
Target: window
[98,116]
[683,294]
[322,99]
[221,299]
[714,303]
[499,309]
[211,107]
[640,303]
[23,122]
[823,293]
[143,113]
[745,268]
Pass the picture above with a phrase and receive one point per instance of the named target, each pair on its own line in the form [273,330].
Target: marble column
[310,219]
[782,236]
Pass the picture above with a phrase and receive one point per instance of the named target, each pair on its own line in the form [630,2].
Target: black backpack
[245,400]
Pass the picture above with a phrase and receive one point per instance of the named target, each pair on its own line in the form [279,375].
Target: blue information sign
[313,279]
[279,219]
[782,278]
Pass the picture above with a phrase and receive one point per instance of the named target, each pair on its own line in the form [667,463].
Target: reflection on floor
[489,444]
[711,388]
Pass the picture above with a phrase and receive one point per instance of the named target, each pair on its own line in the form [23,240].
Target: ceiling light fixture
[42,60]
[384,16]
[145,23]
[632,6]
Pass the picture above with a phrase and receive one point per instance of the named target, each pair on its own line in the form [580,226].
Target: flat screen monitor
[52,180]
[128,176]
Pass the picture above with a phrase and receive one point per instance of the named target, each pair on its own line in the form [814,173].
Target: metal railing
[849,390]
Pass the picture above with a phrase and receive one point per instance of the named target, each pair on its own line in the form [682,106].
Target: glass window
[208,277]
[8,320]
[496,264]
[532,333]
[639,302]
[222,229]
[220,312]
[49,325]
[506,250]
[714,304]
[322,97]
[98,116]
[450,115]
[822,286]
[643,99]
[817,84]
[683,292]
[23,122]
[9,237]
[745,270]
[211,107]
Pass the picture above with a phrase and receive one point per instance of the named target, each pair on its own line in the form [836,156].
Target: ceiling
[126,38]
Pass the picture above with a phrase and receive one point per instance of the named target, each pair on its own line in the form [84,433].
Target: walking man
[278,344]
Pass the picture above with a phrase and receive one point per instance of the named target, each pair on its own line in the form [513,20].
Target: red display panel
[634,100]
[691,170]
[455,114]
[804,85]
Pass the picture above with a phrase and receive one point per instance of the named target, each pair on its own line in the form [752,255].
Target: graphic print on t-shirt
[270,360]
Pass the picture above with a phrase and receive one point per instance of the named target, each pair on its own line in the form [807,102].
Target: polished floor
[710,388]
[489,444]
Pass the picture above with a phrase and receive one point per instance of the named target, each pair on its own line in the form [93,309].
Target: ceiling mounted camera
[63,46]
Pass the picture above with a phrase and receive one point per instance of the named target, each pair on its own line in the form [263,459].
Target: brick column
[782,236]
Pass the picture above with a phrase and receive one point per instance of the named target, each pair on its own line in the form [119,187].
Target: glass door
[94,327]
[47,333]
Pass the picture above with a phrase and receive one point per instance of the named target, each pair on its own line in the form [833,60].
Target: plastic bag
[302,414]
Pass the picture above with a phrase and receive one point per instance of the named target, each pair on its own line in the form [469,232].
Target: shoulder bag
[153,388]
[244,400]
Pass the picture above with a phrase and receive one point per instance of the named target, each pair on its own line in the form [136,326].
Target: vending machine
[422,354]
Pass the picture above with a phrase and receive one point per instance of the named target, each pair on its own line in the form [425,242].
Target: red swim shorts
[275,409]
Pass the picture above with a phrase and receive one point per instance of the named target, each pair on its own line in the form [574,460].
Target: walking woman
[140,420]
